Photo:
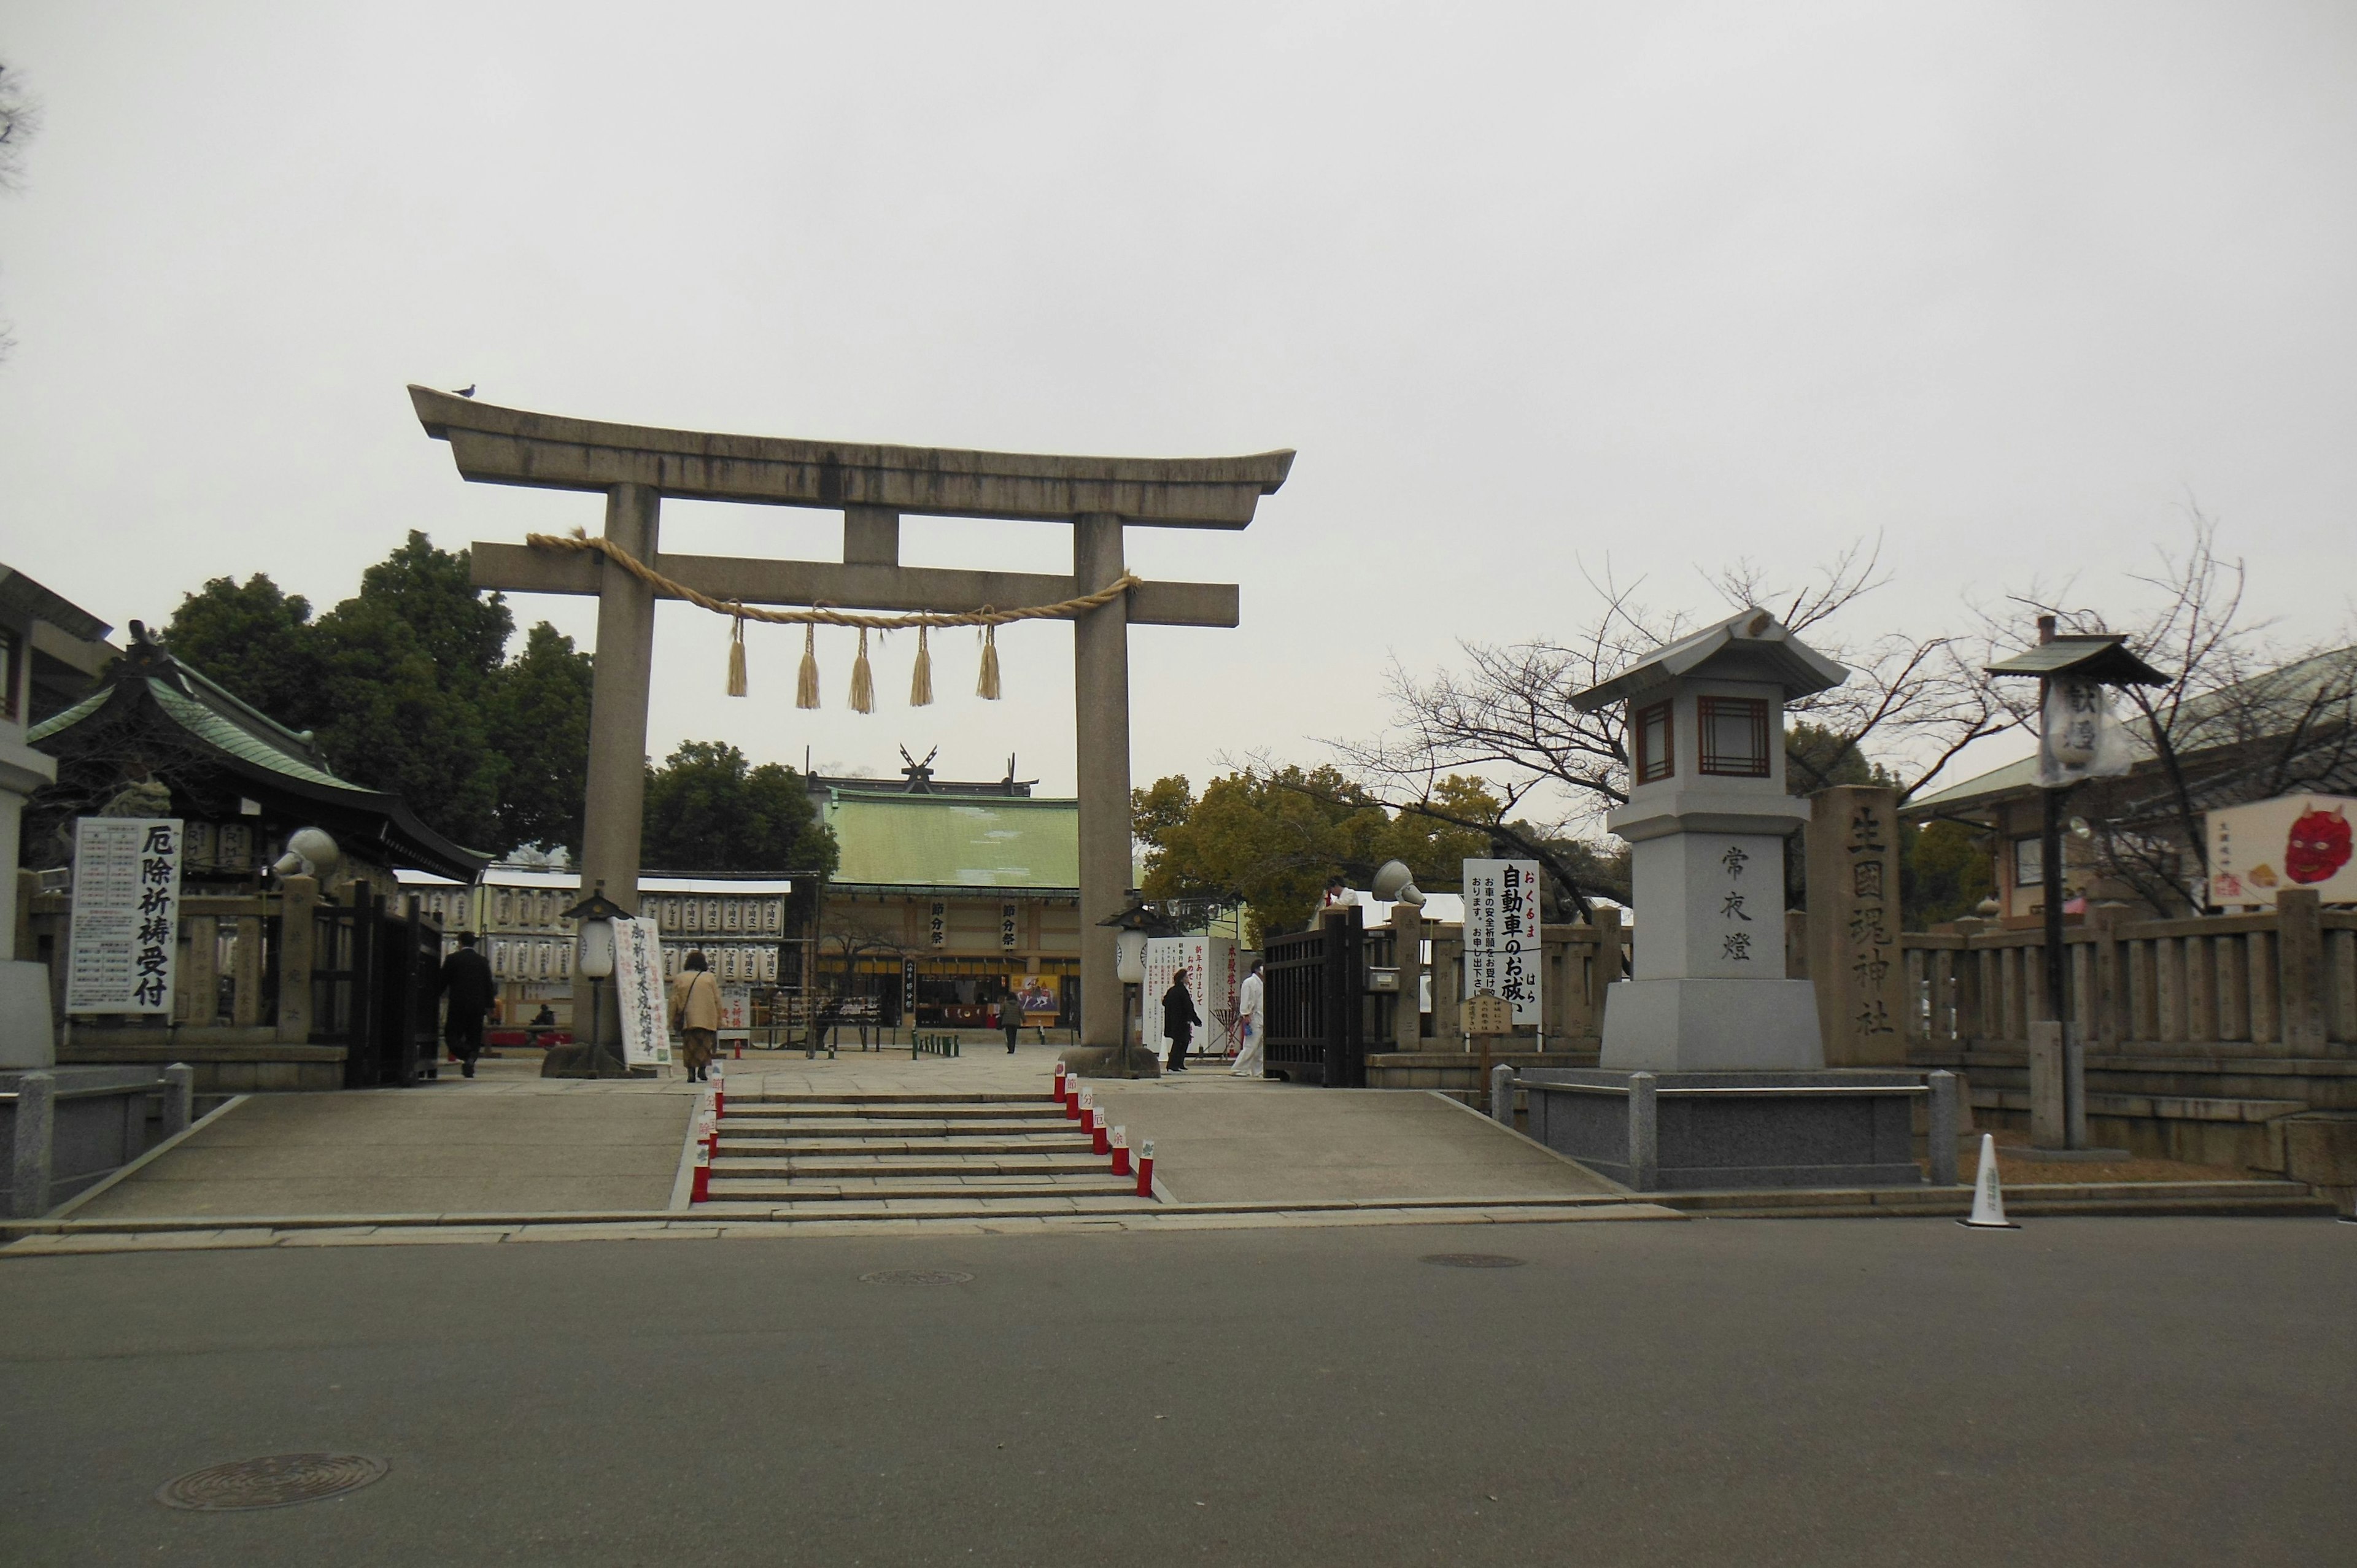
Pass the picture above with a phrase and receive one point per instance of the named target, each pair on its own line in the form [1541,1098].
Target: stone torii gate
[873,486]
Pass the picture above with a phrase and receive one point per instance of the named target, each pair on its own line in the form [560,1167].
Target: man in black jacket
[467,982]
[1179,1020]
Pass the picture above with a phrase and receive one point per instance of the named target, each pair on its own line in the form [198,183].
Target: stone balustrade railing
[2278,984]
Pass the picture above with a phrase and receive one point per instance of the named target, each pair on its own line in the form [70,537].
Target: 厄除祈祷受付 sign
[126,915]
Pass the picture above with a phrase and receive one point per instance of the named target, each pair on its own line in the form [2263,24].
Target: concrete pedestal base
[27,1039]
[1693,1131]
[573,1061]
[1711,1025]
[1105,1061]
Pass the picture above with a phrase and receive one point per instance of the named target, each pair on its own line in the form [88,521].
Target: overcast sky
[1526,287]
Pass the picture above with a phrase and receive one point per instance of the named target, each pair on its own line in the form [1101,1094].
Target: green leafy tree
[1945,870]
[539,721]
[259,641]
[709,809]
[402,722]
[1275,839]
[404,687]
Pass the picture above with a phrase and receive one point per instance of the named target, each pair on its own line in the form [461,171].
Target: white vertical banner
[127,915]
[1501,933]
[735,1010]
[638,991]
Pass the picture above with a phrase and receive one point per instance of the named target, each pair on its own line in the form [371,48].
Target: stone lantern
[1712,1073]
[1705,822]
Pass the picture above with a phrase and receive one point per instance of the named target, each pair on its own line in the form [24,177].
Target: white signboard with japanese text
[638,991]
[127,915]
[1501,933]
[1211,981]
[2298,841]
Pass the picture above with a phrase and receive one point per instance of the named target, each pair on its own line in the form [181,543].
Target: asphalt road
[1800,1393]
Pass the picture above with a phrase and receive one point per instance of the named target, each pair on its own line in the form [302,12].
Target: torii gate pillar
[614,813]
[1101,716]
[635,467]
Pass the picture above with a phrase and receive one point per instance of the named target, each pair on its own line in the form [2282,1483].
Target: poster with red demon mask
[2299,841]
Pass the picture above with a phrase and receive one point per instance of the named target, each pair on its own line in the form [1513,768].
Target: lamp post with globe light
[594,920]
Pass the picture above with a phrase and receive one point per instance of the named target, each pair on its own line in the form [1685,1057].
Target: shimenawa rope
[989,617]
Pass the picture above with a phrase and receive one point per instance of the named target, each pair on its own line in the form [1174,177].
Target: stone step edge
[1903,1197]
[768,1097]
[2064,1208]
[653,1216]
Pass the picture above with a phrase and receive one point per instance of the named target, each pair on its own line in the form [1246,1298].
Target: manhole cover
[272,1481]
[1473,1260]
[916,1277]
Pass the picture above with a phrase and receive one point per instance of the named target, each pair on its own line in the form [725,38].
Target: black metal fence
[1321,1014]
[375,989]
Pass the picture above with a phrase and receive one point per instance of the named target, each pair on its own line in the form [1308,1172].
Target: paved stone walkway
[508,1141]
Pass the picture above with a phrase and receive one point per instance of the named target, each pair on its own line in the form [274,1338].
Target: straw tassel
[806,689]
[736,657]
[987,688]
[863,680]
[921,684]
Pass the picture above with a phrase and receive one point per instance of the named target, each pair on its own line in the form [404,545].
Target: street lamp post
[1132,928]
[2072,670]
[593,920]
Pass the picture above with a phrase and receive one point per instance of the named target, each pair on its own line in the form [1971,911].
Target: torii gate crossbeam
[874,487]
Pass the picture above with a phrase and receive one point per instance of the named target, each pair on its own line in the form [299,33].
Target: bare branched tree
[2243,716]
[20,121]
[1909,707]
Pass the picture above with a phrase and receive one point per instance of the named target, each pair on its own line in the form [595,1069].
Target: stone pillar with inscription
[1853,866]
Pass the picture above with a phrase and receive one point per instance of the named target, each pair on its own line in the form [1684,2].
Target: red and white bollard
[1057,1093]
[720,1090]
[1145,1169]
[1120,1151]
[702,1191]
[1098,1142]
[1071,1097]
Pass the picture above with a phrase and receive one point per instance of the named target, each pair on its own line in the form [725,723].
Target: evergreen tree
[709,809]
[538,720]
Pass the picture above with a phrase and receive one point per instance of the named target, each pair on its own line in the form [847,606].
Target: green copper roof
[948,840]
[215,729]
[70,718]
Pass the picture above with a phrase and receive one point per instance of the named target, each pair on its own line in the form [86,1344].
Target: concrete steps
[880,1155]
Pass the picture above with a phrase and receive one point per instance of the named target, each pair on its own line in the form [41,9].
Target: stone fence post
[1943,1128]
[2299,946]
[1447,985]
[1644,1136]
[1502,1095]
[1408,949]
[33,1127]
[298,904]
[180,1099]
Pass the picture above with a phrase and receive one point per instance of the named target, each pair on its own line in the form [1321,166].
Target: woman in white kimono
[1252,1014]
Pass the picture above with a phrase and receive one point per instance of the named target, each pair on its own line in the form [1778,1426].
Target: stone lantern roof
[1749,645]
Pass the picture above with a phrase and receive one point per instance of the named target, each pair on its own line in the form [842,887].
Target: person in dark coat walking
[465,982]
[1179,1020]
